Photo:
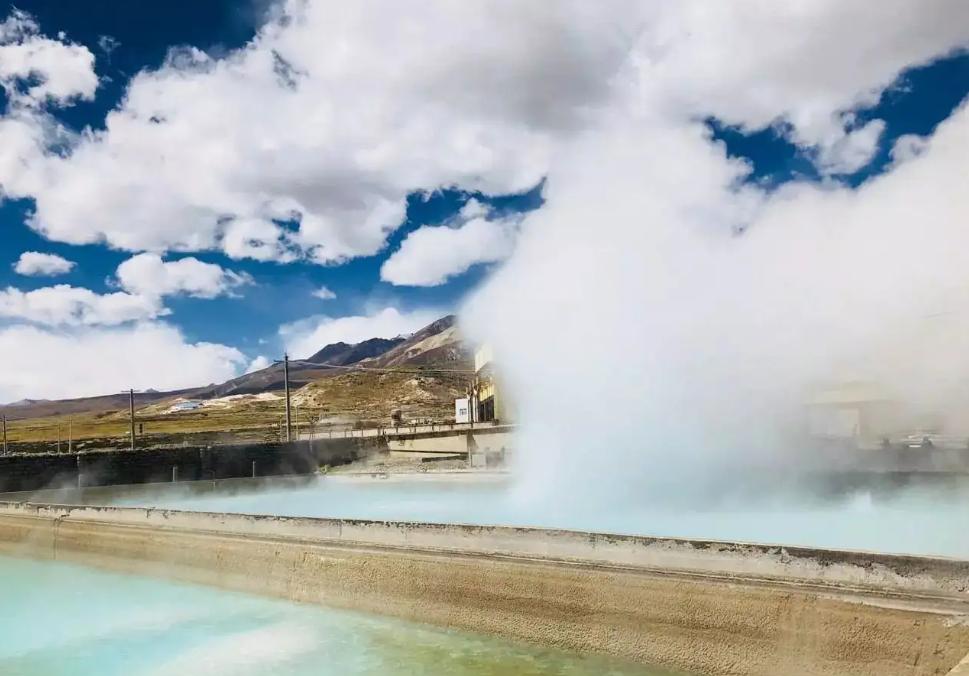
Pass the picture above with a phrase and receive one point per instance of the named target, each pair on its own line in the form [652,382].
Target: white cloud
[474,208]
[64,305]
[431,255]
[148,275]
[145,280]
[36,264]
[908,146]
[256,238]
[849,152]
[258,364]
[308,140]
[324,293]
[308,336]
[60,71]
[756,63]
[141,356]
[108,43]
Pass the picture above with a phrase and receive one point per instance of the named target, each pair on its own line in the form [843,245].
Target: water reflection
[59,620]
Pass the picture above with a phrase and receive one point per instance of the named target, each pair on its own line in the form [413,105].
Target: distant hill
[420,376]
[437,345]
[343,354]
[26,409]
[268,379]
[27,402]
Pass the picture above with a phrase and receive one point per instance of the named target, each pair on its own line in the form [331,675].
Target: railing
[397,430]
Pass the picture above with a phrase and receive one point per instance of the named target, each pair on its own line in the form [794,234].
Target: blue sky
[918,101]
[143,33]
[282,293]
[126,39]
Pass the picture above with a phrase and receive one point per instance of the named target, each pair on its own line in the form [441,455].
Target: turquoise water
[926,520]
[63,620]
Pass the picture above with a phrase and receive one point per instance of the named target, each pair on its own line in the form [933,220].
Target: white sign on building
[462,412]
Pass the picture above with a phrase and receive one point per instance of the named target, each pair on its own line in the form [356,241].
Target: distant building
[186,406]
[490,401]
[858,412]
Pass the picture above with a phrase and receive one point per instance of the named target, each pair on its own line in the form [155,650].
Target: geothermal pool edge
[703,607]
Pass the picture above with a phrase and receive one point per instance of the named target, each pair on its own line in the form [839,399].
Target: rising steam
[662,321]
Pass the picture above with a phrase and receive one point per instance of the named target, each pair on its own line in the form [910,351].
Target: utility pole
[472,402]
[70,435]
[131,416]
[289,422]
[5,434]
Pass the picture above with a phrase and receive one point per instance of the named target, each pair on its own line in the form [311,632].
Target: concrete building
[861,413]
[490,400]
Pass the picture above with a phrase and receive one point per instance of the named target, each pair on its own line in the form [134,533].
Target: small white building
[188,405]
[462,411]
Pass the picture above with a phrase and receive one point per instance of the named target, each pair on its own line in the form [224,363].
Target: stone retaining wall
[29,472]
[705,607]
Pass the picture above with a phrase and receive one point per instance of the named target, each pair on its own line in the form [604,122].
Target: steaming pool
[60,619]
[924,517]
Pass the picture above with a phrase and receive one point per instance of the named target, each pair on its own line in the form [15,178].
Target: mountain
[27,409]
[26,402]
[268,379]
[437,344]
[364,382]
[343,354]
[420,376]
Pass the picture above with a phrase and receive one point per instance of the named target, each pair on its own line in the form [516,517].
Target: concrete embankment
[482,440]
[35,471]
[705,607]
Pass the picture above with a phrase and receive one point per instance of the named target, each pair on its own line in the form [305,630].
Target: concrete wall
[147,493]
[711,608]
[29,472]
[488,437]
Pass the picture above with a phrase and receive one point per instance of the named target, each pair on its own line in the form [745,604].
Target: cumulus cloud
[65,305]
[145,279]
[757,63]
[848,152]
[35,69]
[474,95]
[307,141]
[906,147]
[308,336]
[258,364]
[37,264]
[141,356]
[192,160]
[474,208]
[324,293]
[148,275]
[430,255]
